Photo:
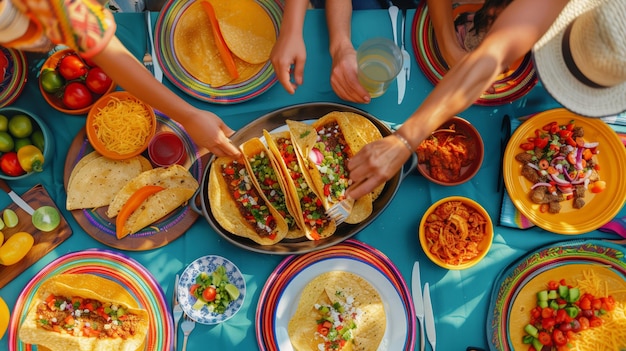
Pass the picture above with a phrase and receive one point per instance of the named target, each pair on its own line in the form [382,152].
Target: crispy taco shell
[357,131]
[370,328]
[293,190]
[227,212]
[87,286]
[266,177]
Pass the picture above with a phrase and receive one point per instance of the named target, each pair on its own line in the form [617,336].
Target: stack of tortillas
[246,28]
[97,181]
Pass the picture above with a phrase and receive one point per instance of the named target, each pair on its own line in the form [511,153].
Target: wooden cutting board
[37,196]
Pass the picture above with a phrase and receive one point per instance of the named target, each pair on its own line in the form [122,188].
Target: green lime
[232,291]
[4,123]
[19,142]
[1,224]
[52,81]
[10,218]
[6,142]
[46,218]
[38,139]
[20,126]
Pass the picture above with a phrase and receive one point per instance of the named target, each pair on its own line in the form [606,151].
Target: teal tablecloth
[460,298]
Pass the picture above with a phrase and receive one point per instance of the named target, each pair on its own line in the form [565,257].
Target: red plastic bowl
[166,149]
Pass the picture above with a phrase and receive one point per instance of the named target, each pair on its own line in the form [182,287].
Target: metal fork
[341,210]
[187,326]
[177,312]
[147,57]
[406,58]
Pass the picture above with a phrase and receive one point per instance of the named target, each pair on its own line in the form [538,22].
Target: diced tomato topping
[545,338]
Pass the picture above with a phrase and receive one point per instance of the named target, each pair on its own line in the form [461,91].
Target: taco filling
[270,186]
[248,200]
[337,322]
[330,155]
[87,317]
[313,212]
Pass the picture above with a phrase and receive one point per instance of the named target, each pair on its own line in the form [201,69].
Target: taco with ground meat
[266,177]
[307,207]
[84,312]
[338,311]
[238,205]
[325,147]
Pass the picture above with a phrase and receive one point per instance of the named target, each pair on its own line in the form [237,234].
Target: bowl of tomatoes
[25,143]
[72,84]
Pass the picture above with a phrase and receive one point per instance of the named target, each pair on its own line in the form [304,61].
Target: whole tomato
[10,164]
[72,67]
[76,96]
[98,81]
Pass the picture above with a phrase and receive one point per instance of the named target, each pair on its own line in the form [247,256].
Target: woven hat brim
[559,81]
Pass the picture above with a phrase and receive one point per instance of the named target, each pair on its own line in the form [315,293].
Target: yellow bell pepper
[30,158]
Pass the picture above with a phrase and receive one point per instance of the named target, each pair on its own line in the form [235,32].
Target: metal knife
[401,78]
[416,287]
[16,198]
[158,72]
[429,317]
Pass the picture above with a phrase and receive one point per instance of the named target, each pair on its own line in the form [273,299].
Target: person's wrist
[403,140]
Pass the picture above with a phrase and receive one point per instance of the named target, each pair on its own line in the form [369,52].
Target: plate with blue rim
[208,264]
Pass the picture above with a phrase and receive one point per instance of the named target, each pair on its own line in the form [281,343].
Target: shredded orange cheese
[122,125]
[611,336]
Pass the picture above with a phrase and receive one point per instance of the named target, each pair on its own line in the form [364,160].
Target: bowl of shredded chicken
[456,232]
[120,126]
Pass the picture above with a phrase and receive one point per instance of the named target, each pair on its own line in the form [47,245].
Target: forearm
[132,76]
[440,12]
[293,17]
[339,18]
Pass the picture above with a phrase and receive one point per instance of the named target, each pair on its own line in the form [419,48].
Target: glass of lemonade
[379,61]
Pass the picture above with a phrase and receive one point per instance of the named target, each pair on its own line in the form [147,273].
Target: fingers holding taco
[238,206]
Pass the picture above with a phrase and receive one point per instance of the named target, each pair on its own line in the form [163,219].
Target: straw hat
[581,60]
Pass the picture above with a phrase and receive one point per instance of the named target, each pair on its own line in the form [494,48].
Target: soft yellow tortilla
[85,286]
[358,131]
[322,289]
[290,186]
[254,147]
[225,210]
[179,186]
[247,29]
[94,182]
[526,299]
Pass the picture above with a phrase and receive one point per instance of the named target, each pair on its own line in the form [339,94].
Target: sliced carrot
[225,53]
[131,205]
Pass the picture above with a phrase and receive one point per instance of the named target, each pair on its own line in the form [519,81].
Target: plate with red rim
[515,288]
[518,80]
[13,75]
[134,277]
[278,299]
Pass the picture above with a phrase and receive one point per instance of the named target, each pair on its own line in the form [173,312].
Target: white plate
[396,329]
[209,264]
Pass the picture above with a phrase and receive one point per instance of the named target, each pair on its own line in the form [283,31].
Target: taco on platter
[260,165]
[325,146]
[84,312]
[238,206]
[304,202]
[338,311]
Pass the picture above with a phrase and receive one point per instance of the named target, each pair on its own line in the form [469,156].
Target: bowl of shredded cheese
[120,126]
[456,232]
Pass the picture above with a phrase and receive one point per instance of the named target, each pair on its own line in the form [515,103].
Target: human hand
[344,77]
[208,130]
[376,163]
[289,51]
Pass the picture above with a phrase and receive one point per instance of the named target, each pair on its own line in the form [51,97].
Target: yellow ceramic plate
[600,208]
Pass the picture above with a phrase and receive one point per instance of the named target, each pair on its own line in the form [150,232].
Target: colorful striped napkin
[511,217]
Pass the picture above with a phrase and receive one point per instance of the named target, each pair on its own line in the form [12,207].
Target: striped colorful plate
[13,75]
[172,69]
[111,265]
[511,85]
[278,299]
